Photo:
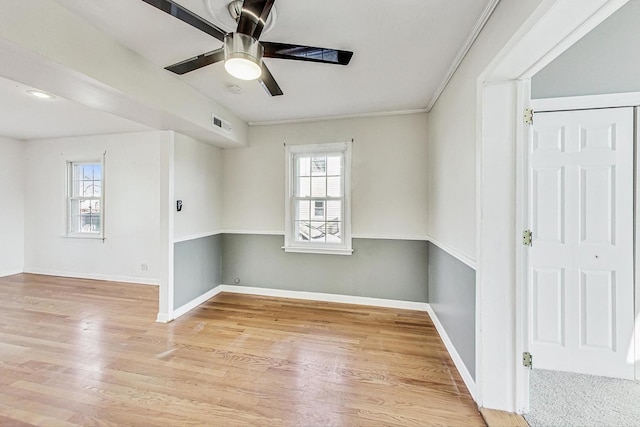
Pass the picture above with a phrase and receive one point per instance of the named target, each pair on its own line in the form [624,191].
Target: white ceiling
[24,116]
[403,51]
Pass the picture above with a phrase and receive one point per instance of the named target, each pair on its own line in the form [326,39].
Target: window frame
[290,242]
[70,198]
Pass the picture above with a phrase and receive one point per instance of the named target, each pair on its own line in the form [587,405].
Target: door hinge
[527,360]
[527,238]
[528,116]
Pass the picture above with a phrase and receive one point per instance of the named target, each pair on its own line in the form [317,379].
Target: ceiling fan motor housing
[238,45]
[240,48]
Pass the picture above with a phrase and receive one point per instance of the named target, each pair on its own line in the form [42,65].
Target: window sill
[320,251]
[83,237]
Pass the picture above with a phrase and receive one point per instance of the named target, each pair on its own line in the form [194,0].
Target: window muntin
[317,207]
[85,199]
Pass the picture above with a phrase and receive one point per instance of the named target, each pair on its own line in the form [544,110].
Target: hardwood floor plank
[495,418]
[84,352]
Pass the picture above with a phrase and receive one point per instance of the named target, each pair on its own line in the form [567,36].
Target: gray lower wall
[389,269]
[452,296]
[197,268]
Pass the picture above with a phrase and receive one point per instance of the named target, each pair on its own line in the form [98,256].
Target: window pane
[334,187]
[334,210]
[303,210]
[319,166]
[76,186]
[88,172]
[95,207]
[318,210]
[317,231]
[87,189]
[97,171]
[333,232]
[302,230]
[85,206]
[334,165]
[78,171]
[303,166]
[318,186]
[95,224]
[304,187]
[74,222]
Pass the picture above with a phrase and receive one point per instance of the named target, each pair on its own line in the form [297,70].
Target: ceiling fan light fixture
[242,56]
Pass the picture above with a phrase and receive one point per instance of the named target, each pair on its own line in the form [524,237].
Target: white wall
[198,183]
[452,135]
[12,174]
[606,60]
[131,201]
[389,175]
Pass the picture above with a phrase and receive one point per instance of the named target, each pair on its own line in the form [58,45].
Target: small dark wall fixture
[179,205]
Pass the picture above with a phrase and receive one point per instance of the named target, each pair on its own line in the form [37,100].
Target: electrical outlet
[144,267]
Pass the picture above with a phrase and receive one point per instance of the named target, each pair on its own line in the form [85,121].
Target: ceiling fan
[242,53]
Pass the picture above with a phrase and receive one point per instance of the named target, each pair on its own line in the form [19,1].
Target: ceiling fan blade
[306,53]
[253,17]
[197,62]
[269,83]
[188,17]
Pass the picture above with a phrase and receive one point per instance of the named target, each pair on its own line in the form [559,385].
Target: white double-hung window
[318,211]
[85,200]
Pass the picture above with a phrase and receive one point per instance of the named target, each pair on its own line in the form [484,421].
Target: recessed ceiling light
[40,94]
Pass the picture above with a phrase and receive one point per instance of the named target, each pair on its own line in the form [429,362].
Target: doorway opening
[580,273]
[503,95]
[573,303]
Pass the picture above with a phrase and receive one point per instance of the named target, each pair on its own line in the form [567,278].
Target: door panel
[581,260]
[549,305]
[597,310]
[597,204]
[548,219]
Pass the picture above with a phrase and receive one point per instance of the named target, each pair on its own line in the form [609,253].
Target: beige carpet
[566,399]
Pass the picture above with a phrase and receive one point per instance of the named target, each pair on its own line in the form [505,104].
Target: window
[85,202]
[317,208]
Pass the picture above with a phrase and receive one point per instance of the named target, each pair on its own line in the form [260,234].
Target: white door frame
[636,226]
[502,95]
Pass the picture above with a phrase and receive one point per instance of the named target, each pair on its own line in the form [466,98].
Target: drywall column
[197,241]
[496,242]
[12,167]
[165,300]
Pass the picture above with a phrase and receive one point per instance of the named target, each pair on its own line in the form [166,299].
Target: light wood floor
[82,352]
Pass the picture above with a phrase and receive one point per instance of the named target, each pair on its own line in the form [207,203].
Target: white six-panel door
[581,260]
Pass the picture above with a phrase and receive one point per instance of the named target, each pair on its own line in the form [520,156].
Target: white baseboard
[457,360]
[92,276]
[316,296]
[195,302]
[10,272]
[163,318]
